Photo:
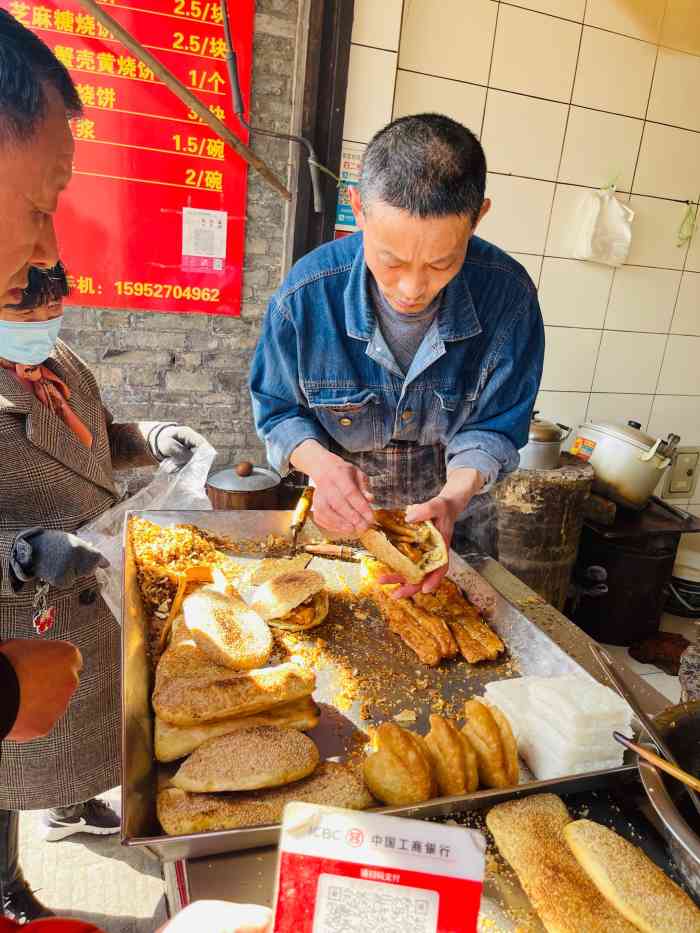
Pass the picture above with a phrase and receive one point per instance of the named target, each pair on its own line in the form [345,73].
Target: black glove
[57,557]
[175,442]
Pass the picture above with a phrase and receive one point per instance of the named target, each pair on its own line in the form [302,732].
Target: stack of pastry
[239,722]
[407,769]
[581,876]
[436,626]
[564,724]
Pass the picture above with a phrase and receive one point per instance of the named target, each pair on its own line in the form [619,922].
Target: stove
[622,571]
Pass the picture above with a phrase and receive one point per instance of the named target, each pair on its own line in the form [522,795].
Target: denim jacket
[322,369]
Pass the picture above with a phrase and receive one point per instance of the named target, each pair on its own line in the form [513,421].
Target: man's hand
[176,442]
[48,673]
[220,917]
[443,511]
[57,557]
[342,497]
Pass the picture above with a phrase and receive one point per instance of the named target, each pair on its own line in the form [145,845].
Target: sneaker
[19,903]
[94,816]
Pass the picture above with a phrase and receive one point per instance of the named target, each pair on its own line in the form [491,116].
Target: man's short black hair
[428,165]
[27,65]
[44,287]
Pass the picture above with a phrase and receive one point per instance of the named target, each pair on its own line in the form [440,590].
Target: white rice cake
[579,704]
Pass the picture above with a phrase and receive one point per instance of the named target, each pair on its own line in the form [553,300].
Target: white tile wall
[523,135]
[619,408]
[437,38]
[668,163]
[638,18]
[642,299]
[522,54]
[674,96]
[416,93]
[574,293]
[377,24]
[519,212]
[629,362]
[686,320]
[614,73]
[600,149]
[566,96]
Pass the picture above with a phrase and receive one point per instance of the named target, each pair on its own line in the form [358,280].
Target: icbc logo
[354,837]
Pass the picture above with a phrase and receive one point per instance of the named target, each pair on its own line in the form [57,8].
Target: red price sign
[154,218]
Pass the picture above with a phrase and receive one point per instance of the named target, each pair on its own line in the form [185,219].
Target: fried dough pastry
[399,772]
[402,623]
[434,624]
[494,744]
[453,758]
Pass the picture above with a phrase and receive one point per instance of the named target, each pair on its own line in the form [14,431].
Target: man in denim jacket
[400,365]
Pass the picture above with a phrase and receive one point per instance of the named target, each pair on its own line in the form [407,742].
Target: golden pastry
[399,772]
[409,630]
[453,758]
[434,625]
[482,730]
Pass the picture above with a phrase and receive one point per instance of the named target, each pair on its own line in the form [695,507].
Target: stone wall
[192,368]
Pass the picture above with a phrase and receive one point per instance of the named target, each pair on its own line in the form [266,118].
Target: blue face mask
[28,342]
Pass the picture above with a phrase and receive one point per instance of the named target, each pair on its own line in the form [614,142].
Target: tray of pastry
[338,663]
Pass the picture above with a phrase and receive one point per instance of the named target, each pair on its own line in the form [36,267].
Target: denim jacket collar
[457,319]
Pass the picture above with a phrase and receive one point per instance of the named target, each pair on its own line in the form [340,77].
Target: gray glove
[175,442]
[57,557]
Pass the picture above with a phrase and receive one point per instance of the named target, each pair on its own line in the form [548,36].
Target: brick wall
[193,368]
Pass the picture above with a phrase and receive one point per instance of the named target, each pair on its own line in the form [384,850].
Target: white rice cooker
[628,463]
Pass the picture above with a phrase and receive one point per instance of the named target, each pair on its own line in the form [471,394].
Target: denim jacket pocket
[350,416]
[452,409]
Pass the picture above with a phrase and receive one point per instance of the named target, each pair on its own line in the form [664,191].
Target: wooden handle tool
[301,513]
[678,773]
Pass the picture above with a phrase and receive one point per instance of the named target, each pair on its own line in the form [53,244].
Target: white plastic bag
[604,229]
[170,488]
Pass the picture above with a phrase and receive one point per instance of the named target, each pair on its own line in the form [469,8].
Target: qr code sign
[354,905]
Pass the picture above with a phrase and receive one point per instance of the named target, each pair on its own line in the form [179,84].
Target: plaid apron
[404,473]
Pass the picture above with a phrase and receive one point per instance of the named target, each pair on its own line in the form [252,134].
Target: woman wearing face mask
[58,448]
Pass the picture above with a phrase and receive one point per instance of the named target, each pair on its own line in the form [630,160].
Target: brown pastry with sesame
[261,756]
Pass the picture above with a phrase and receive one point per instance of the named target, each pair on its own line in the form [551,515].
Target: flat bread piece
[529,834]
[173,742]
[332,784]
[261,756]
[270,567]
[630,881]
[412,549]
[226,630]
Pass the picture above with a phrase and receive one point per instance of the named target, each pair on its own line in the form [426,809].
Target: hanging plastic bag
[604,229]
[170,488]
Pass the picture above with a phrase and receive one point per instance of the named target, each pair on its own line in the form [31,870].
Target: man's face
[412,258]
[32,176]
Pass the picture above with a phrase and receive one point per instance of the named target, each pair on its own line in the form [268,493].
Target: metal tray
[356,640]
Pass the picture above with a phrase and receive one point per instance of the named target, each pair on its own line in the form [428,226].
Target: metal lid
[541,430]
[625,432]
[244,478]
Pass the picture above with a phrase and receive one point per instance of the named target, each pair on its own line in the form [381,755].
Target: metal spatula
[627,694]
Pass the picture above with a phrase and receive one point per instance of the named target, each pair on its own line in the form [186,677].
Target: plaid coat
[48,478]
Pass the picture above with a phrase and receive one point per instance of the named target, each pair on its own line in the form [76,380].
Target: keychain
[44,615]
